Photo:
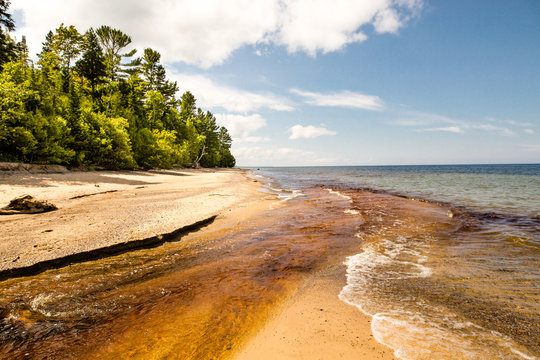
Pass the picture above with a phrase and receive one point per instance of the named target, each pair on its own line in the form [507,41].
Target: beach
[103,208]
[240,285]
[289,263]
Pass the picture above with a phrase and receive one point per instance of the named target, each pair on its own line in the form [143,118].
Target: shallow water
[441,281]
[457,278]
[197,298]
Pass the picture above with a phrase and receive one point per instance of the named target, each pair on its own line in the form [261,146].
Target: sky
[340,82]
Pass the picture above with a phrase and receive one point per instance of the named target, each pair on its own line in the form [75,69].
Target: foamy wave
[289,195]
[363,265]
[282,194]
[449,336]
[346,197]
[413,328]
[339,194]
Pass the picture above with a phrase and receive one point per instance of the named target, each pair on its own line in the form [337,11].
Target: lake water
[444,259]
[458,278]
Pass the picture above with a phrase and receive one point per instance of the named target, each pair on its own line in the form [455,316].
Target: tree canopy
[90,102]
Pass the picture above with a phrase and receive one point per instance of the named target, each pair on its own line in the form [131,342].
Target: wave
[412,327]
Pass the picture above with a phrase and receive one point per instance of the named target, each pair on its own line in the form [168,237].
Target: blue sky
[341,82]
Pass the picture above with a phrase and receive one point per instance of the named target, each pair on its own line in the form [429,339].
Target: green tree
[152,70]
[92,64]
[225,142]
[112,42]
[188,106]
[7,45]
[154,74]
[210,154]
[54,112]
[67,43]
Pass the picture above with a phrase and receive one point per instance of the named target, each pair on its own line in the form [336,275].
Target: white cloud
[529,131]
[212,95]
[416,118]
[387,21]
[452,129]
[206,33]
[241,126]
[492,128]
[284,156]
[341,99]
[308,132]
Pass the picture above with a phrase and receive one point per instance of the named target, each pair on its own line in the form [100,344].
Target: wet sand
[314,324]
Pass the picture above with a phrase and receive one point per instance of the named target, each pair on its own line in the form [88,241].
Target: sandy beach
[99,209]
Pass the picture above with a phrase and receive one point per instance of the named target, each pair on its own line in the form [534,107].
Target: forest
[90,100]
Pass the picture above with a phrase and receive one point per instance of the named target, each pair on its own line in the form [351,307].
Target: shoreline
[313,323]
[294,326]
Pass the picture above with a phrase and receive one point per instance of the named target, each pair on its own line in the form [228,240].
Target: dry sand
[98,209]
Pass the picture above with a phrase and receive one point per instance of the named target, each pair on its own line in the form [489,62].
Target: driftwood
[26,204]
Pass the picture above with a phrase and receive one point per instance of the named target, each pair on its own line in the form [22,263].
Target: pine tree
[8,48]
[92,64]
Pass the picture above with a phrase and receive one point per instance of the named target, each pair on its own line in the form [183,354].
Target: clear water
[510,189]
[453,279]
[455,276]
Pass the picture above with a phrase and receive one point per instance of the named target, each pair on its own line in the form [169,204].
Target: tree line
[90,101]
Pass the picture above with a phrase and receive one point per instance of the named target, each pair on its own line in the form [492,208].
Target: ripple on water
[399,280]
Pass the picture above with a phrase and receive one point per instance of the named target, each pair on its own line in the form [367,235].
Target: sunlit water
[451,280]
[197,298]
[454,278]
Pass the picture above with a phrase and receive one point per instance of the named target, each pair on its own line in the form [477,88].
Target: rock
[26,204]
[32,168]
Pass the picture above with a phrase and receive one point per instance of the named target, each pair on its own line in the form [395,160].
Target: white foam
[334,192]
[282,194]
[449,337]
[352,212]
[39,301]
[413,328]
[286,196]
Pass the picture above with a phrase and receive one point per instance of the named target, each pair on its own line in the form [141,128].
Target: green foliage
[7,45]
[92,65]
[67,44]
[108,144]
[89,103]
